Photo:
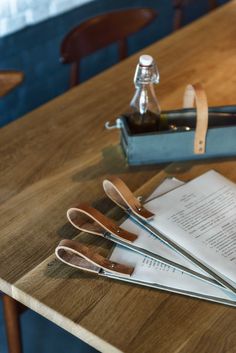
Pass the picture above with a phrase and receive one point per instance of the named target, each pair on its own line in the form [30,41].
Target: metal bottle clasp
[117,125]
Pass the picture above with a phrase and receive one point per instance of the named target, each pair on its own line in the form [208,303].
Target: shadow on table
[113,162]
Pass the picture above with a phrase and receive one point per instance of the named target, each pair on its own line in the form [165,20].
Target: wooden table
[9,80]
[60,153]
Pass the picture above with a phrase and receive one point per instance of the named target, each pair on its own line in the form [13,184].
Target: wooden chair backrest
[101,31]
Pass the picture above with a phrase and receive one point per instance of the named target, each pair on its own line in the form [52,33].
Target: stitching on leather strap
[195,93]
[85,258]
[88,219]
[119,193]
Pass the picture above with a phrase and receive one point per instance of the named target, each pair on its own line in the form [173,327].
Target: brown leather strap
[80,256]
[119,193]
[195,93]
[88,219]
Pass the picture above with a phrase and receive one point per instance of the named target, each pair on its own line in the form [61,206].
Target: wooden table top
[60,153]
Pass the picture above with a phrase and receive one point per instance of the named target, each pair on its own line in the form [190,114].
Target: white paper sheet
[151,272]
[200,216]
[167,185]
[151,243]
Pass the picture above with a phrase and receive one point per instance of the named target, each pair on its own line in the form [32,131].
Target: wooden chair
[101,31]
[179,5]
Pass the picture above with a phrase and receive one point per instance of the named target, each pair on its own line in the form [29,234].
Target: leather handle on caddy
[82,257]
[195,93]
[90,220]
[119,193]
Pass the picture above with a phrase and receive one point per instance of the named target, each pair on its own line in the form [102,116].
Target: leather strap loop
[195,93]
[83,257]
[88,219]
[119,193]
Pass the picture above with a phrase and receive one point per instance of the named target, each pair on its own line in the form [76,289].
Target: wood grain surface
[9,80]
[60,153]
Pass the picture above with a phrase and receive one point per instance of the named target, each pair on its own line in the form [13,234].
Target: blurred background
[31,32]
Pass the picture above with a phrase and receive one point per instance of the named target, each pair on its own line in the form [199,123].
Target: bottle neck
[146,74]
[145,99]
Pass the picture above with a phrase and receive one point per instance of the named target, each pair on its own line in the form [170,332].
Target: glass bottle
[145,115]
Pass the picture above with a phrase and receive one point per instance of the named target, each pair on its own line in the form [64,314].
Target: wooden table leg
[12,322]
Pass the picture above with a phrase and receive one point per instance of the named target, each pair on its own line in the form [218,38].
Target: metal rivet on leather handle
[80,256]
[88,219]
[119,193]
[195,93]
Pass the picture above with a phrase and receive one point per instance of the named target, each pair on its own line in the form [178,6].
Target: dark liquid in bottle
[150,122]
[143,123]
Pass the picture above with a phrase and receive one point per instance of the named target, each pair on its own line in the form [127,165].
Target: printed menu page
[151,272]
[150,242]
[200,216]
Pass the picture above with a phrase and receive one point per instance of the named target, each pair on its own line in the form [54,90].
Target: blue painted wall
[41,336]
[35,51]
